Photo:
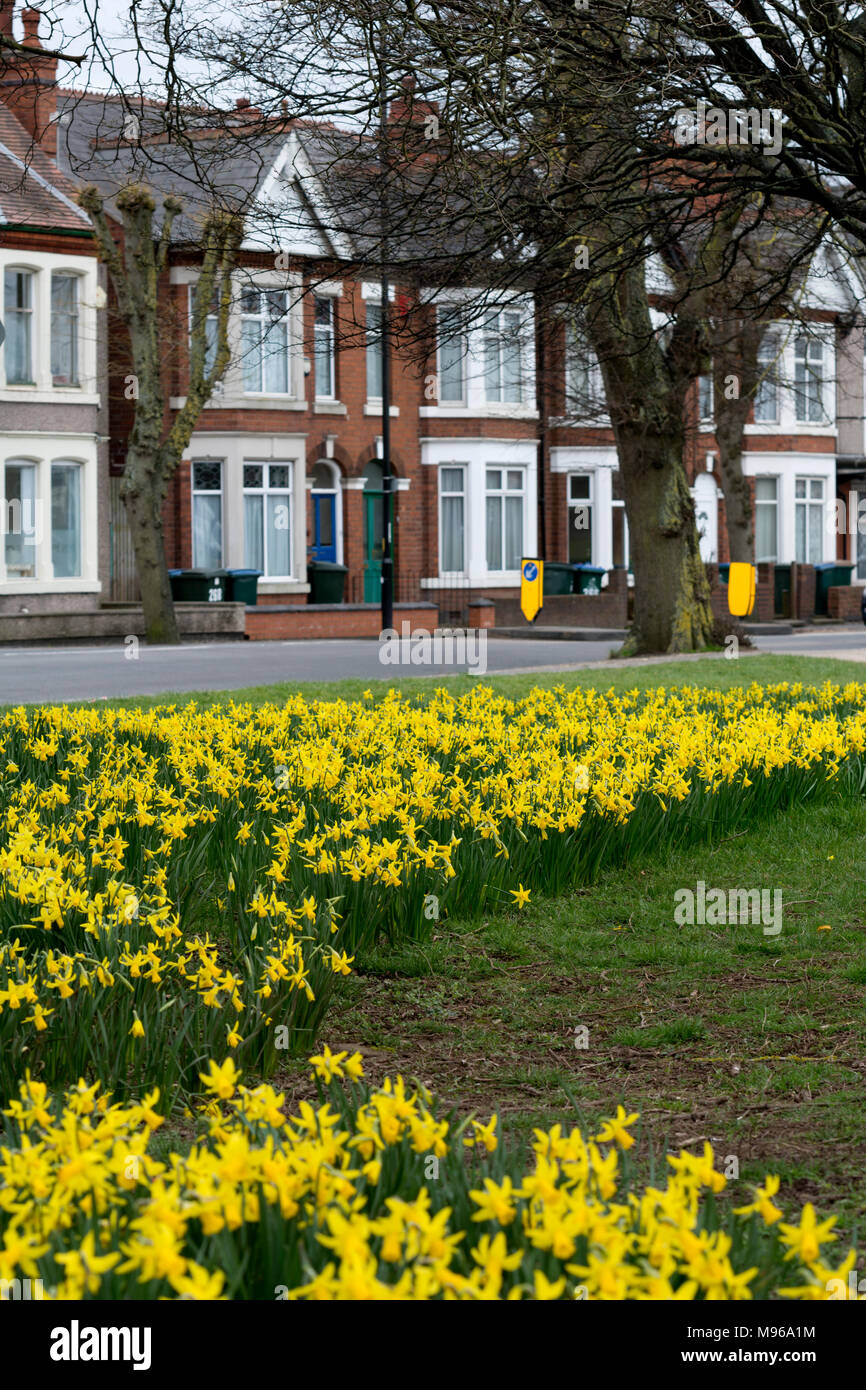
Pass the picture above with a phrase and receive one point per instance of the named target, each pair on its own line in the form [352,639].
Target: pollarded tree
[135,253]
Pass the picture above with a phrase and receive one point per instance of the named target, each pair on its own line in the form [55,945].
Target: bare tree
[136,260]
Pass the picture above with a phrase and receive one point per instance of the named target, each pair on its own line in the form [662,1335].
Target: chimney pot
[30,19]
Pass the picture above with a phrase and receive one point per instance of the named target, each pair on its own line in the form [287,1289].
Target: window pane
[250,301]
[620,542]
[254,550]
[511,359]
[494,533]
[800,487]
[816,488]
[20,520]
[766,530]
[766,396]
[800,533]
[278,475]
[323,312]
[275,303]
[66,520]
[64,330]
[513,532]
[494,478]
[325,515]
[452,479]
[452,534]
[207,530]
[323,478]
[452,348]
[765,489]
[579,485]
[279,535]
[19,326]
[207,475]
[251,351]
[374,352]
[492,362]
[515,479]
[815,538]
[580,533]
[211,333]
[705,396]
[276,359]
[253,475]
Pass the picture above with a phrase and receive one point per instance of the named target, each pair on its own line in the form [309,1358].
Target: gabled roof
[259,168]
[33,191]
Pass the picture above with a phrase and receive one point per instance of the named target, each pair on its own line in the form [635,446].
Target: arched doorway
[326,518]
[374,531]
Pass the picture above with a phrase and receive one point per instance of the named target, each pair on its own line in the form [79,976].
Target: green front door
[374,533]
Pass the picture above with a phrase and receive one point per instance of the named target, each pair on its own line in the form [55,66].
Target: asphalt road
[54,674]
[30,675]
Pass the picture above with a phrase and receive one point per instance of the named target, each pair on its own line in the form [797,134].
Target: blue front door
[324,526]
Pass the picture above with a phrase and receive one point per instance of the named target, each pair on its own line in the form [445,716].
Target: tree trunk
[739,513]
[143,503]
[645,384]
[672,610]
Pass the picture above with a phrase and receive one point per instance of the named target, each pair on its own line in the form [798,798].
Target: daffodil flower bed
[371,1195]
[177,881]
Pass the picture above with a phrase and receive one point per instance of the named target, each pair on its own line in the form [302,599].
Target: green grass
[755,1043]
[711,670]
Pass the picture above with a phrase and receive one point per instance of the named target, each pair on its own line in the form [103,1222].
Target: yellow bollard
[531,588]
[741,589]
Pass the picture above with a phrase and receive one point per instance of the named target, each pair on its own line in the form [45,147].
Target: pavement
[55,674]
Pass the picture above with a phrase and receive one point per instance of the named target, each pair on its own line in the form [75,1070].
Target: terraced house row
[500,442]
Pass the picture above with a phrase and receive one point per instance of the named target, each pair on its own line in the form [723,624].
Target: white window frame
[769,357]
[44,453]
[464,494]
[461,339]
[262,319]
[32,321]
[207,492]
[572,505]
[329,333]
[211,329]
[706,384]
[41,265]
[500,335]
[806,345]
[68,466]
[504,492]
[810,504]
[578,349]
[266,491]
[766,503]
[75,315]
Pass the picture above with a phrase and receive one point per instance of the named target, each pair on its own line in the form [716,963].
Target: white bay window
[268,518]
[504,512]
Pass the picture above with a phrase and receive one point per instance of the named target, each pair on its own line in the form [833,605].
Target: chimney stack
[28,80]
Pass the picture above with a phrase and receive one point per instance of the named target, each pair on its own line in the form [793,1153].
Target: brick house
[500,442]
[53,422]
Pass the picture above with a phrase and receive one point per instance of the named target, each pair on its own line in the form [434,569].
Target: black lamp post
[387,477]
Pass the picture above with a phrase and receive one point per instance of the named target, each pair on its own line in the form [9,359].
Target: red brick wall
[286,622]
[844,602]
